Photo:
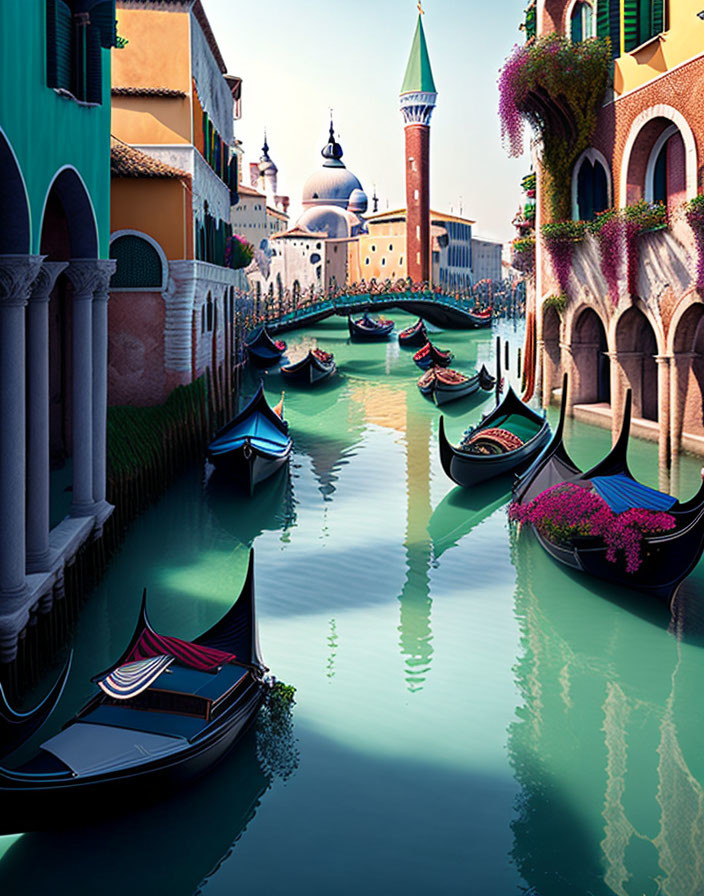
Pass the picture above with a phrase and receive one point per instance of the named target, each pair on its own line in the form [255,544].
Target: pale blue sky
[298,58]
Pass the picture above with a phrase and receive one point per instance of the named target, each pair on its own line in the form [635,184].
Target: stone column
[569,367]
[539,362]
[106,268]
[618,395]
[679,380]
[664,411]
[38,554]
[17,273]
[85,277]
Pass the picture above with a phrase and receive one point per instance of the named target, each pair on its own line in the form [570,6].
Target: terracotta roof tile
[126,161]
[147,91]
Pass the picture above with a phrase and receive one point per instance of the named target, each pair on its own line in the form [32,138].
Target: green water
[469,717]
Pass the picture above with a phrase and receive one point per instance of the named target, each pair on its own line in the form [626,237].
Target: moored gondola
[314,368]
[480,319]
[429,356]
[252,446]
[665,557]
[366,327]
[262,350]
[443,385]
[504,441]
[415,336]
[166,712]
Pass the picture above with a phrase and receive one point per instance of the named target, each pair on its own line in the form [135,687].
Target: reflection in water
[274,507]
[604,714]
[464,508]
[416,639]
[332,645]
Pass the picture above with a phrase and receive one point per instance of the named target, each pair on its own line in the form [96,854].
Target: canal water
[469,717]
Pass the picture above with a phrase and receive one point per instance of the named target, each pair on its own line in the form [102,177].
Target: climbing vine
[557,87]
[694,212]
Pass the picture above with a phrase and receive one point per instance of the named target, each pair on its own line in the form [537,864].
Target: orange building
[174,176]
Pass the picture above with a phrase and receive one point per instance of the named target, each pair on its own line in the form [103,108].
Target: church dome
[333,184]
[330,219]
[358,202]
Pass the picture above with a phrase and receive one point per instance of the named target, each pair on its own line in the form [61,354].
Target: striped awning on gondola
[131,679]
[194,656]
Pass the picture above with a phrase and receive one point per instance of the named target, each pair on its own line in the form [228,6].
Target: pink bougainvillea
[695,218]
[510,115]
[610,232]
[560,239]
[566,511]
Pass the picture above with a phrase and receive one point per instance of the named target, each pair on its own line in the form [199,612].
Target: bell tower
[418,96]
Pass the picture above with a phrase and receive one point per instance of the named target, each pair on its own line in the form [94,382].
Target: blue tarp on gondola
[261,432]
[622,493]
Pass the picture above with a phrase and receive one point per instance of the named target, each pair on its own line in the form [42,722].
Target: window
[74,43]
[138,264]
[642,20]
[315,258]
[581,22]
[592,189]
[383,261]
[366,261]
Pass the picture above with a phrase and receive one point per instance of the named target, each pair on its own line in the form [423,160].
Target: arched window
[581,21]
[592,189]
[139,265]
[209,313]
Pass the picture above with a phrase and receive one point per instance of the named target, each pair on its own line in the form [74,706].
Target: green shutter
[615,27]
[94,68]
[103,16]
[631,17]
[658,16]
[138,263]
[603,27]
[59,44]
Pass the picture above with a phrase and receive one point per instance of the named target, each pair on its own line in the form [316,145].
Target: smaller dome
[358,201]
[329,219]
[332,151]
[265,163]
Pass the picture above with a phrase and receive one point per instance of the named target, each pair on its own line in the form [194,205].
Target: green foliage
[563,231]
[558,302]
[643,216]
[597,224]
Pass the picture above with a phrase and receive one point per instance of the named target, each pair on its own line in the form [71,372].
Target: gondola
[444,385]
[314,368]
[166,712]
[415,336]
[428,356]
[504,441]
[366,327]
[667,557]
[252,446]
[262,350]
[480,319]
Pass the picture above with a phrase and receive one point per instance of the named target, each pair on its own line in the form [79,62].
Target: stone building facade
[644,331]
[54,276]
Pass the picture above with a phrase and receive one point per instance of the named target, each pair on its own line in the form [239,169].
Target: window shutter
[658,16]
[59,44]
[615,27]
[94,68]
[103,16]
[234,183]
[576,25]
[603,28]
[631,31]
[138,263]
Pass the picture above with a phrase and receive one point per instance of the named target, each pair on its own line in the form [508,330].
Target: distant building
[486,260]
[264,176]
[252,218]
[174,177]
[54,275]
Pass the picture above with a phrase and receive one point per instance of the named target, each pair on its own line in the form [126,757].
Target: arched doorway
[14,220]
[68,231]
[656,168]
[688,353]
[590,351]
[637,347]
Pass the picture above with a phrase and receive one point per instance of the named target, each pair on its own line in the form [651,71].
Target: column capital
[106,268]
[663,359]
[84,274]
[17,273]
[46,278]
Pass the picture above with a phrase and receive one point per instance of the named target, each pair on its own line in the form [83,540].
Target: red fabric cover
[204,659]
[507,440]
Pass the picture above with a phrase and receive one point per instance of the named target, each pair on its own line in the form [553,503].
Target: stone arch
[68,196]
[551,325]
[15,220]
[646,129]
[591,360]
[636,347]
[596,162]
[688,354]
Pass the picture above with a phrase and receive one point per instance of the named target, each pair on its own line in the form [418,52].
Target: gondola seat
[492,441]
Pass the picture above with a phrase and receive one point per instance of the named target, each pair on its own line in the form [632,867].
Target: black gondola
[366,327]
[444,385]
[166,712]
[504,441]
[415,336]
[429,355]
[667,557]
[480,319]
[314,368]
[262,350]
[252,446]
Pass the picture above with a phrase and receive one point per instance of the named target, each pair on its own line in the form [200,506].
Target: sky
[299,58]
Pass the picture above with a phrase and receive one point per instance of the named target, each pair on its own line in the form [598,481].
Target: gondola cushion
[492,441]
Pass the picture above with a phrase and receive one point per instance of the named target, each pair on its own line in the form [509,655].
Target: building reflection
[607,746]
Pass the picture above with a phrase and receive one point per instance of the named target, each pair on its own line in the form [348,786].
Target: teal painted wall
[45,130]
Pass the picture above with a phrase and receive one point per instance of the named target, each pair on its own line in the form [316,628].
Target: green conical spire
[419,74]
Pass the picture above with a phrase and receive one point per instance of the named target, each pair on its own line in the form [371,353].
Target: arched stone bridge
[439,309]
